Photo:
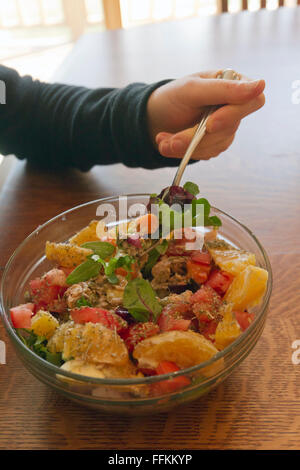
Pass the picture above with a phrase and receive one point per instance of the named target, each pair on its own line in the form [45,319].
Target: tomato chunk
[171,385]
[21,316]
[206,304]
[205,295]
[209,330]
[123,272]
[138,332]
[167,323]
[147,372]
[244,319]
[178,247]
[198,272]
[67,271]
[219,281]
[98,315]
[172,317]
[47,291]
[201,257]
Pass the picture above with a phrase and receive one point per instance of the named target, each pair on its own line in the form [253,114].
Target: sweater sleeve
[56,125]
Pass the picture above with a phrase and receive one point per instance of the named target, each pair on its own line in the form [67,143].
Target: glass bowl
[123,396]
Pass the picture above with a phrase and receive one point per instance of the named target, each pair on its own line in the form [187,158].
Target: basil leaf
[84,272]
[191,188]
[153,257]
[203,202]
[214,221]
[102,249]
[140,300]
[208,221]
[83,302]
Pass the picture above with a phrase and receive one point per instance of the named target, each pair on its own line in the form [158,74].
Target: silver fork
[227,74]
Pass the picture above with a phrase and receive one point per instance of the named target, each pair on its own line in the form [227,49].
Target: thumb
[197,92]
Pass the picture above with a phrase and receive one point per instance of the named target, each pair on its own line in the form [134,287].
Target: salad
[145,304]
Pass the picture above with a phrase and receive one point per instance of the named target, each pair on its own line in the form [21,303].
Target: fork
[200,132]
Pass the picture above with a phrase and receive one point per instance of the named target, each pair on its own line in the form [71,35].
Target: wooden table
[257,181]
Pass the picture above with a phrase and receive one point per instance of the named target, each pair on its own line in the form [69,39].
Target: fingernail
[160,137]
[253,84]
[177,146]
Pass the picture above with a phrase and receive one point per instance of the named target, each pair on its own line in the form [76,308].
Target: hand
[175,109]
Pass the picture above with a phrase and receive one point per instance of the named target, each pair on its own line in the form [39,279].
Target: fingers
[228,115]
[221,128]
[175,146]
[201,153]
[196,92]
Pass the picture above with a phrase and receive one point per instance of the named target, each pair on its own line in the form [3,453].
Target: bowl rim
[145,380]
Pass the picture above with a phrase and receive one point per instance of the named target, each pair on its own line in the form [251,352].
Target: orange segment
[44,324]
[248,288]
[228,258]
[66,255]
[228,330]
[87,234]
[184,348]
[91,343]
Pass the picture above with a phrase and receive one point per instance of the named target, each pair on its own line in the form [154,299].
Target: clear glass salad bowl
[123,396]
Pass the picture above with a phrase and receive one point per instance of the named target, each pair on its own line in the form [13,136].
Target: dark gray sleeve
[55,125]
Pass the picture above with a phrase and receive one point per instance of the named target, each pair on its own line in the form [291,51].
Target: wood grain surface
[256,180]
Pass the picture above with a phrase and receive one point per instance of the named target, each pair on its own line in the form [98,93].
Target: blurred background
[36,35]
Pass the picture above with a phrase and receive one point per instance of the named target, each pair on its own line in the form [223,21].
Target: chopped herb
[191,188]
[125,262]
[38,344]
[83,302]
[28,337]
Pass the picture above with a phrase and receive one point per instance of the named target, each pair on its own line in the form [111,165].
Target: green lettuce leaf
[140,300]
